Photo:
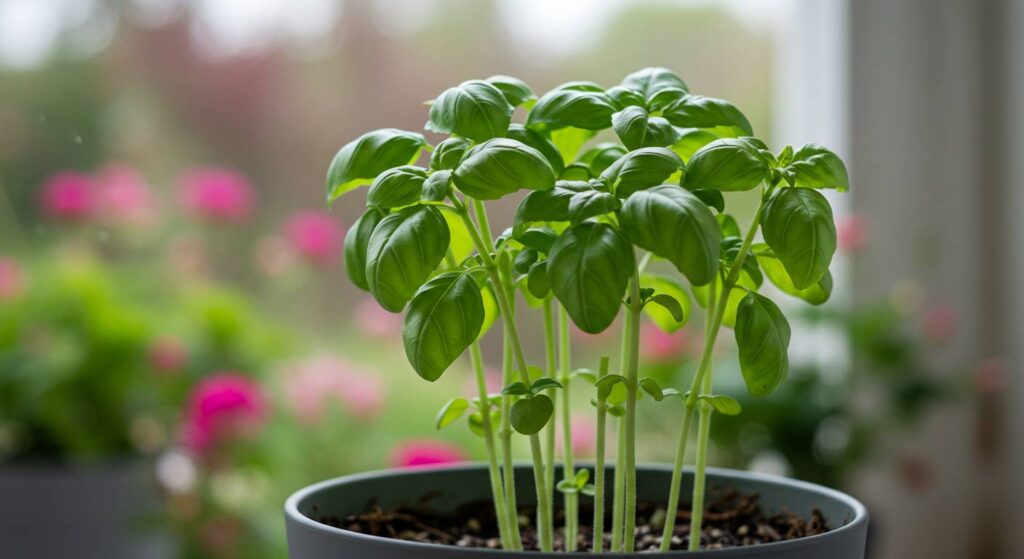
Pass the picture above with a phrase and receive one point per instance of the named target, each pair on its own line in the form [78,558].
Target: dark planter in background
[309,539]
[100,512]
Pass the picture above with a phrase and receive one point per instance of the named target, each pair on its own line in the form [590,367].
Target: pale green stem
[699,480]
[544,525]
[508,468]
[500,507]
[550,354]
[599,474]
[571,499]
[620,487]
[632,382]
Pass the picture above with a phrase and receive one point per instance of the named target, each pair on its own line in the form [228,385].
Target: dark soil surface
[733,519]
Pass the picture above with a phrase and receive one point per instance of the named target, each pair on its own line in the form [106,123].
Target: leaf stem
[620,487]
[632,382]
[500,507]
[599,473]
[508,468]
[551,366]
[571,499]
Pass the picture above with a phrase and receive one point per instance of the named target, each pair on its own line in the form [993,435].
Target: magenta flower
[68,196]
[410,454]
[167,355]
[12,279]
[851,233]
[124,197]
[214,194]
[223,407]
[312,385]
[316,236]
[659,346]
[375,322]
[939,324]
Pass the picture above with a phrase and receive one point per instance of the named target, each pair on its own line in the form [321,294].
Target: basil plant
[591,218]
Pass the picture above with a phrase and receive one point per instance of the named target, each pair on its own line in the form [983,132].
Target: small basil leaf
[641,169]
[524,260]
[697,111]
[576,172]
[606,383]
[461,242]
[529,415]
[537,281]
[591,203]
[538,142]
[451,412]
[777,274]
[360,161]
[403,250]
[663,318]
[713,198]
[589,267]
[567,487]
[476,422]
[501,166]
[436,187]
[624,97]
[663,98]
[448,153]
[725,405]
[651,386]
[671,304]
[638,130]
[601,156]
[762,336]
[797,225]
[674,224]
[490,309]
[538,238]
[444,318]
[542,384]
[356,241]
[728,164]
[542,206]
[814,166]
[560,108]
[396,187]
[474,109]
[728,225]
[650,81]
[582,477]
[515,90]
[517,388]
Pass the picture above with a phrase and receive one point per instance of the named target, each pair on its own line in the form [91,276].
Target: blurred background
[175,320]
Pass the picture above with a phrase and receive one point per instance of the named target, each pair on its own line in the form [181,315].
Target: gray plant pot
[309,539]
[103,512]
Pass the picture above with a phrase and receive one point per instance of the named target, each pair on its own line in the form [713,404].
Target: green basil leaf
[606,383]
[785,156]
[538,142]
[777,274]
[544,383]
[664,97]
[662,317]
[537,281]
[524,260]
[501,166]
[539,239]
[691,140]
[542,206]
[674,224]
[638,130]
[576,172]
[356,241]
[697,111]
[476,422]
[728,164]
[589,268]
[559,108]
[641,169]
[814,166]
[474,109]
[448,153]
[581,479]
[570,141]
[529,415]
[591,203]
[460,241]
[360,161]
[728,225]
[517,388]
[624,97]
[404,249]
[725,405]
[762,336]
[582,85]
[650,81]
[566,487]
[651,386]
[444,318]
[797,224]
[451,412]
[736,294]
[436,187]
[491,312]
[515,90]
[671,304]
[601,156]
[396,188]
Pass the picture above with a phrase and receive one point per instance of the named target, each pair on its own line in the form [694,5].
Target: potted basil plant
[592,223]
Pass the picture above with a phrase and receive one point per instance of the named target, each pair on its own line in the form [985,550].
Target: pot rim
[291,508]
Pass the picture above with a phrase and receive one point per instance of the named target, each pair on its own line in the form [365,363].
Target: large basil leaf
[448,153]
[589,267]
[461,242]
[650,81]
[589,110]
[665,285]
[777,274]
[601,156]
[545,205]
[474,109]
[361,160]
[624,97]
[591,203]
[728,164]
[530,414]
[637,129]
[501,166]
[534,139]
[396,187]
[404,249]
[437,186]
[762,337]
[691,140]
[797,224]
[697,111]
[444,318]
[814,166]
[674,224]
[641,169]
[515,90]
[356,241]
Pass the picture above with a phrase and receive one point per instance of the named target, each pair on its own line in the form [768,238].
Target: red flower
[317,236]
[215,194]
[68,196]
[223,407]
[410,454]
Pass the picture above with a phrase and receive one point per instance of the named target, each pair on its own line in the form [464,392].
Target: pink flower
[167,355]
[375,322]
[600,339]
[939,325]
[215,194]
[224,406]
[310,386]
[68,196]
[12,279]
[125,198]
[584,432]
[410,454]
[317,236]
[852,233]
[659,346]
[492,380]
